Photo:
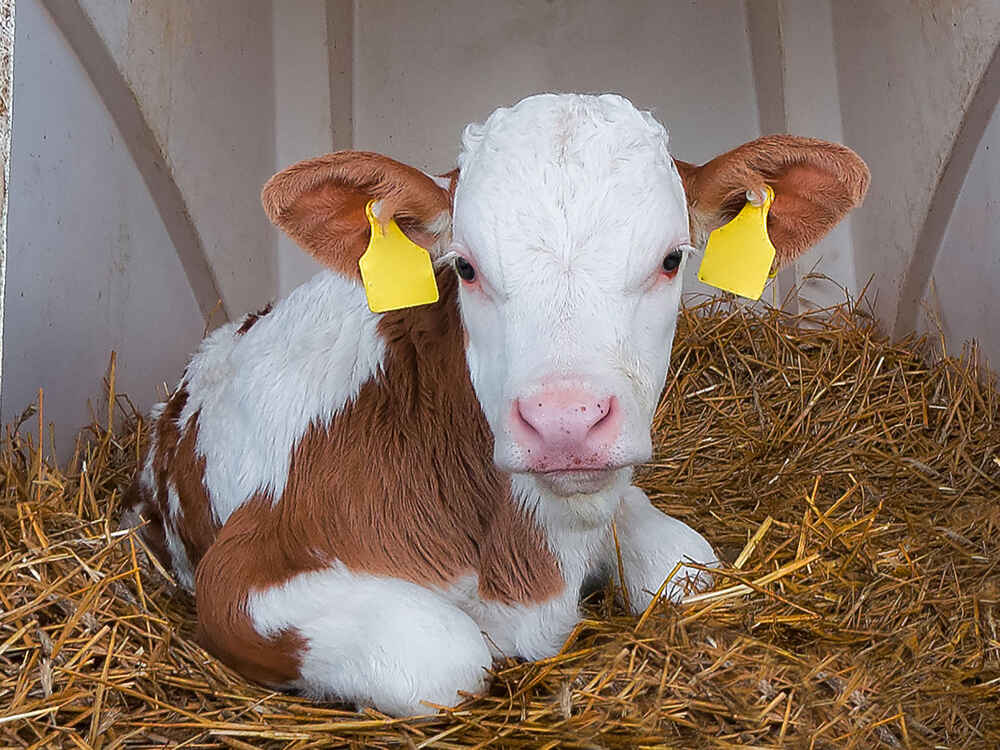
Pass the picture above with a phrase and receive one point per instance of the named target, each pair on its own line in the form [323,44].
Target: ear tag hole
[395,271]
[739,255]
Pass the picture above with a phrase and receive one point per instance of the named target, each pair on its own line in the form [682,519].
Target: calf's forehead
[564,176]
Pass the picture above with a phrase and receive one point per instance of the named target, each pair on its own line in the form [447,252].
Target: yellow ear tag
[739,255]
[395,271]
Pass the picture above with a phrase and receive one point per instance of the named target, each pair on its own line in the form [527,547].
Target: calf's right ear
[320,203]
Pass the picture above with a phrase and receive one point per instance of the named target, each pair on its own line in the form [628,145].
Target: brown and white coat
[372,507]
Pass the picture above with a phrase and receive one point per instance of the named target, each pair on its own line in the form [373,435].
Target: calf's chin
[580,482]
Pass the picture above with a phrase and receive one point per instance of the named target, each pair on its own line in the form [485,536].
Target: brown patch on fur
[245,558]
[252,318]
[815,184]
[515,563]
[321,203]
[139,499]
[452,178]
[151,502]
[176,462]
[234,551]
[196,526]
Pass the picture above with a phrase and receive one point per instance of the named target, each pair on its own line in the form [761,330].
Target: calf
[371,507]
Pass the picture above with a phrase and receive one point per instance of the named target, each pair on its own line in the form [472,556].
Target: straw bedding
[850,486]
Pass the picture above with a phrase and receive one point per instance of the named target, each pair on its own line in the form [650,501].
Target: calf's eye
[672,262]
[464,269]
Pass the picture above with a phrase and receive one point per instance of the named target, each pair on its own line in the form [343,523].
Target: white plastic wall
[91,267]
[203,74]
[965,281]
[220,95]
[909,76]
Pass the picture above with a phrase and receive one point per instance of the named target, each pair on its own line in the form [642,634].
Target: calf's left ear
[815,184]
[320,203]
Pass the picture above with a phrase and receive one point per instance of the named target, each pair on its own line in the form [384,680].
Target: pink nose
[565,429]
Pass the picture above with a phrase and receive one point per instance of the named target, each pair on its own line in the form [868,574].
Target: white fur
[376,641]
[651,544]
[256,394]
[566,205]
[180,563]
[440,227]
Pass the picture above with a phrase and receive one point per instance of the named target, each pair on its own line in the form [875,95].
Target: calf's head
[569,226]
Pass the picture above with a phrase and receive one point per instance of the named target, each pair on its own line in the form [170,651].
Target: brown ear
[815,184]
[320,203]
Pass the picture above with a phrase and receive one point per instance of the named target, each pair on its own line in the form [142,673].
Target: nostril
[523,421]
[605,410]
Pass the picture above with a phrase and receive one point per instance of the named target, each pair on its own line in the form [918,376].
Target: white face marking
[566,207]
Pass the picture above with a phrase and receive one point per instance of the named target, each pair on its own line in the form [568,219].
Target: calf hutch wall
[845,472]
[144,130]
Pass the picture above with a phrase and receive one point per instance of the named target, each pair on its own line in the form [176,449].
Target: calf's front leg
[651,544]
[333,634]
